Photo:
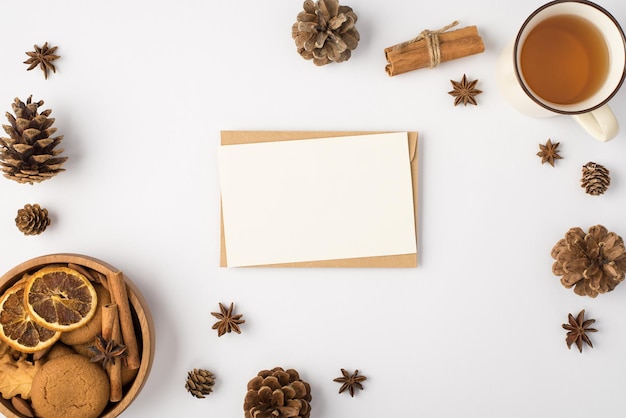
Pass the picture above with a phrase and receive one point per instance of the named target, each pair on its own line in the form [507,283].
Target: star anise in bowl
[106,351]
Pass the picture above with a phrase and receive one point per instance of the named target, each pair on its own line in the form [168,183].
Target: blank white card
[317,199]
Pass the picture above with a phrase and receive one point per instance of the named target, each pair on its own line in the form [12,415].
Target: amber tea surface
[564,59]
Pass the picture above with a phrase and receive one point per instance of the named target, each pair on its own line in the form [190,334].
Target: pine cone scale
[10,131]
[575,265]
[307,27]
[570,279]
[22,124]
[591,272]
[610,270]
[31,134]
[41,158]
[309,44]
[42,144]
[10,162]
[336,22]
[613,252]
[309,6]
[350,40]
[319,54]
[320,40]
[22,148]
[332,7]
[306,17]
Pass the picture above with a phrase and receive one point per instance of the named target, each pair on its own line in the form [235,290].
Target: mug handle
[600,123]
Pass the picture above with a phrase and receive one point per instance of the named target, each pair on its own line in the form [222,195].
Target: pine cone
[200,382]
[595,179]
[32,219]
[325,32]
[29,155]
[593,263]
[277,393]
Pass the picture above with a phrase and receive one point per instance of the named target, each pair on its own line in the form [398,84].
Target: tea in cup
[569,57]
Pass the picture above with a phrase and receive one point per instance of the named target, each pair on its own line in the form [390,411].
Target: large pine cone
[593,263]
[595,179]
[325,32]
[29,154]
[32,219]
[277,393]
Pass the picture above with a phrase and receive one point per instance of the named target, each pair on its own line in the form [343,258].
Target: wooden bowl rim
[137,301]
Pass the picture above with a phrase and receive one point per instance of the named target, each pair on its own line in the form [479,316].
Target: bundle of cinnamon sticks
[418,53]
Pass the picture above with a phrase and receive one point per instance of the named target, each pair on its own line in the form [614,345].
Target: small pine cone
[200,382]
[595,179]
[32,219]
[592,262]
[325,32]
[277,393]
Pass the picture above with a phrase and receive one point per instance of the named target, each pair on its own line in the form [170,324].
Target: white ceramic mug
[591,112]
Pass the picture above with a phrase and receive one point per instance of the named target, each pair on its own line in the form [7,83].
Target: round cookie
[70,387]
[87,333]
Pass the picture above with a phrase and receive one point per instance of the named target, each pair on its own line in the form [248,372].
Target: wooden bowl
[144,326]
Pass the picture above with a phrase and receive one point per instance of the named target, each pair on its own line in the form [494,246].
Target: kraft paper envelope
[399,260]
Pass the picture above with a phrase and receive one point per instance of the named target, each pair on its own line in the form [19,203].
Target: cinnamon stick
[102,279]
[93,275]
[111,331]
[408,56]
[117,287]
[84,271]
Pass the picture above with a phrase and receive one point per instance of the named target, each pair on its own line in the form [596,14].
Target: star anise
[464,91]
[106,351]
[42,57]
[227,322]
[350,382]
[577,330]
[549,152]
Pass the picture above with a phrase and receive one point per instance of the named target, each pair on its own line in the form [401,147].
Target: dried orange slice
[17,327]
[60,298]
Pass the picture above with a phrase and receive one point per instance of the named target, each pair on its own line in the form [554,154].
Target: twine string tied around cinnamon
[432,42]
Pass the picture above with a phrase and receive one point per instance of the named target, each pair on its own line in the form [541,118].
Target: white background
[143,89]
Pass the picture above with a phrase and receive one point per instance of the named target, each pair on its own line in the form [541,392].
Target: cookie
[70,386]
[87,333]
